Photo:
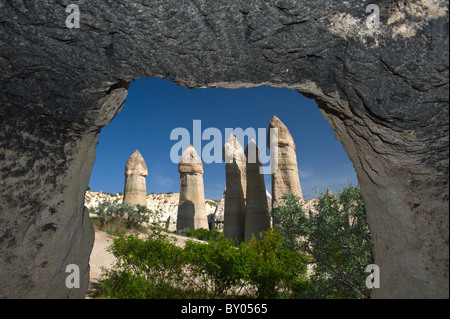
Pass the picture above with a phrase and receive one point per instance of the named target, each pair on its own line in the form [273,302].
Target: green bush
[218,267]
[274,269]
[107,211]
[337,239]
[201,234]
[155,267]
[112,216]
[152,264]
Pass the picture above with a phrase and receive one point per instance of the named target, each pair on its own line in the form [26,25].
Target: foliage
[201,233]
[153,264]
[112,215]
[154,267]
[218,266]
[336,237]
[272,264]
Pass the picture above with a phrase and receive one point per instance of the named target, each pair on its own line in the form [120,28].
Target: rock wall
[383,90]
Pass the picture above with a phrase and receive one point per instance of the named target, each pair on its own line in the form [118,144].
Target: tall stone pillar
[236,182]
[135,192]
[256,216]
[191,208]
[285,178]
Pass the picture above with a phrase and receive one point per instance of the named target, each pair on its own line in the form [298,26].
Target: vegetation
[337,239]
[119,218]
[201,233]
[154,267]
[333,239]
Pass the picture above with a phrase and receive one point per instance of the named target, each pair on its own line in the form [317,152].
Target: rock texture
[256,207]
[191,209]
[384,92]
[135,192]
[167,204]
[218,218]
[285,178]
[236,185]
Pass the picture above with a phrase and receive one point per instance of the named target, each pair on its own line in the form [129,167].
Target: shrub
[218,266]
[153,267]
[273,267]
[337,238]
[107,211]
[152,264]
[201,233]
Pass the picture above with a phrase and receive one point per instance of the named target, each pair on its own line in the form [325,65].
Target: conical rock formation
[285,178]
[191,208]
[256,215]
[236,185]
[135,191]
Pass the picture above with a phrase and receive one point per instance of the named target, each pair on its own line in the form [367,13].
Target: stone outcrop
[135,191]
[256,208]
[191,208]
[166,204]
[285,178]
[218,219]
[383,90]
[236,182]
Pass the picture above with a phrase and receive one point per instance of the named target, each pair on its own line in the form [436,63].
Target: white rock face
[166,203]
[191,209]
[217,220]
[285,179]
[135,172]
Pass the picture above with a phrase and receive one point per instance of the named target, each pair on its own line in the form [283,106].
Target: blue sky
[155,107]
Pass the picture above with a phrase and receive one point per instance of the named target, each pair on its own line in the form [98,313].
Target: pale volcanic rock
[236,185]
[191,208]
[135,192]
[256,216]
[218,218]
[285,178]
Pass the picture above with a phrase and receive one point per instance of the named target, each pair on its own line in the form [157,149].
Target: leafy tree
[218,266]
[336,237]
[152,264]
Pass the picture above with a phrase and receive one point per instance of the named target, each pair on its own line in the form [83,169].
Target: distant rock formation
[135,192]
[285,179]
[236,186]
[217,219]
[256,216]
[191,208]
[166,204]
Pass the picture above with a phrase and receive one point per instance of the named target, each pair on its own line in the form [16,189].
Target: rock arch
[384,92]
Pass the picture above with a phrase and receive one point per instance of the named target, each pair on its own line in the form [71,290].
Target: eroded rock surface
[256,204]
[285,178]
[192,207]
[236,185]
[135,191]
[384,92]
